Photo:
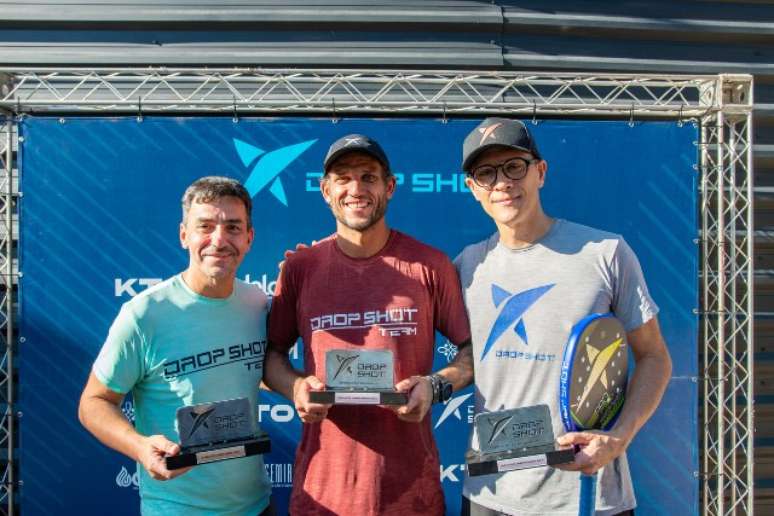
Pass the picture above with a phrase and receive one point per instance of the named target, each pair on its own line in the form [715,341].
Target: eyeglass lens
[514,169]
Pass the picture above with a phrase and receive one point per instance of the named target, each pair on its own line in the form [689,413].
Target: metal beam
[358,92]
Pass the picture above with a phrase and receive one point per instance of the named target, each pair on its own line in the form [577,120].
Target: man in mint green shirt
[197,337]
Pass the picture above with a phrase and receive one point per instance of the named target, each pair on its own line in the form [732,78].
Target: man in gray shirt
[558,272]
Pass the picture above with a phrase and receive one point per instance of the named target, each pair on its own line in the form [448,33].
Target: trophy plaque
[515,439]
[359,377]
[211,432]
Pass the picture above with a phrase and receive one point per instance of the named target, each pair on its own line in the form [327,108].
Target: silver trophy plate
[515,439]
[216,422]
[212,432]
[359,370]
[359,377]
[515,429]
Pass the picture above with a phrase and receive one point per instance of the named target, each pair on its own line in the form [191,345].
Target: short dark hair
[210,188]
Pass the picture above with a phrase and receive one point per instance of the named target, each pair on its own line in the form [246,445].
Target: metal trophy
[359,377]
[216,431]
[515,439]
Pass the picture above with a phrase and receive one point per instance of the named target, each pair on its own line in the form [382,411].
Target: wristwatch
[442,388]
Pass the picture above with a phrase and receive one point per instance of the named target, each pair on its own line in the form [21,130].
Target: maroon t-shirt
[363,460]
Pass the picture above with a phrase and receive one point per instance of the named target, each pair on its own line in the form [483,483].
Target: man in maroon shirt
[366,460]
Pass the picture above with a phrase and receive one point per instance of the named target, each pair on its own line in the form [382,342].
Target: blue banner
[99,224]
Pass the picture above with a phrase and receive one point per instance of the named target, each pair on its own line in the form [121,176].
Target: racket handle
[588,495]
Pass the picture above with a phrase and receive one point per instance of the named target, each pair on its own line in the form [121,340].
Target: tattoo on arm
[460,370]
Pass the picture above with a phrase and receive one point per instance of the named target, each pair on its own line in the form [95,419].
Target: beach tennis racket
[592,386]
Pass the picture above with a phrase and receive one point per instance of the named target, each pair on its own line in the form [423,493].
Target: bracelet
[435,387]
[442,388]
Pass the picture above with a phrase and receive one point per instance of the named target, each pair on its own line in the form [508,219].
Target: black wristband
[441,388]
[433,387]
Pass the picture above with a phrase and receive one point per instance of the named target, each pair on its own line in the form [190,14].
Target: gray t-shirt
[573,271]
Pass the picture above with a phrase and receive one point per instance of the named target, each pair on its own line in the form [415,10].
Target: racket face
[594,374]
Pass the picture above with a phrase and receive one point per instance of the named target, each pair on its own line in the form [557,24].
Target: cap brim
[476,153]
[344,150]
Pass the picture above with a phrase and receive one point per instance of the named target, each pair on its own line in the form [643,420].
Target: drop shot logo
[454,407]
[416,182]
[345,364]
[249,354]
[200,419]
[267,166]
[512,308]
[498,428]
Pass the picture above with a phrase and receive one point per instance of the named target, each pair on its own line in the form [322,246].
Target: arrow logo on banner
[453,407]
[268,166]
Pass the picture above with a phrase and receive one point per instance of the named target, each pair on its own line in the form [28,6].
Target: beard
[377,214]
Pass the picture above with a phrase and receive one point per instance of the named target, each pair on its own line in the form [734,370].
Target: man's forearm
[649,381]
[279,374]
[107,423]
[459,372]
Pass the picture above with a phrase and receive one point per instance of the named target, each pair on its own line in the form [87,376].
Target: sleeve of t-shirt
[458,262]
[120,363]
[449,312]
[632,303]
[283,328]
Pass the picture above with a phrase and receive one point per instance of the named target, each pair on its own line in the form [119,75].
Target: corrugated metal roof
[238,48]
[687,37]
[241,12]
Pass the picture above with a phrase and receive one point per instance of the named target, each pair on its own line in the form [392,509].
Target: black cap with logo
[356,142]
[493,132]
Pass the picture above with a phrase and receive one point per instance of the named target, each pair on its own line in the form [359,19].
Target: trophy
[359,377]
[211,432]
[515,439]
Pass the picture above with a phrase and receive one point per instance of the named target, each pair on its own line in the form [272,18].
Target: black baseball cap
[356,142]
[495,131]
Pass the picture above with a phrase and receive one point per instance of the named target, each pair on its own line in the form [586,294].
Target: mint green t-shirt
[171,348]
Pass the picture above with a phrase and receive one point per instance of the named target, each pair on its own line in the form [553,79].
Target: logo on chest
[511,311]
[249,354]
[392,322]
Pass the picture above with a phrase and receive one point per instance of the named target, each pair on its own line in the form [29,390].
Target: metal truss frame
[354,92]
[7,314]
[721,104]
[727,280]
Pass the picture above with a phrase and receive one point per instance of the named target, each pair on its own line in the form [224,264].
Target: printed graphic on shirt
[512,309]
[392,322]
[251,354]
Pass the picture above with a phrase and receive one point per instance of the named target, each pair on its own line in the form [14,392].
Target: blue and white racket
[592,386]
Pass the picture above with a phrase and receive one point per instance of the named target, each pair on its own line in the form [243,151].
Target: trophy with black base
[359,377]
[515,439]
[216,431]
